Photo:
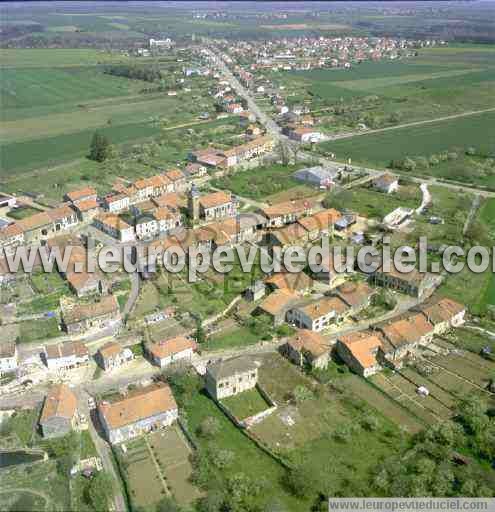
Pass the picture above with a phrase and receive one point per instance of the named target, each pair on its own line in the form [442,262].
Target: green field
[426,140]
[245,404]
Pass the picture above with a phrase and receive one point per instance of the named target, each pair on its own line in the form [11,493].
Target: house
[177,179]
[318,315]
[87,209]
[171,351]
[308,348]
[66,355]
[195,170]
[277,304]
[159,220]
[59,413]
[81,194]
[78,318]
[386,183]
[287,212]
[357,295]
[118,202]
[234,108]
[11,236]
[209,157]
[359,350]
[322,177]
[415,283]
[46,224]
[402,336]
[8,357]
[112,355]
[230,377]
[306,134]
[298,282]
[444,314]
[114,226]
[139,412]
[216,205]
[83,284]
[320,224]
[290,235]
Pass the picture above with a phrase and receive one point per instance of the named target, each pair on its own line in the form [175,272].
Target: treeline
[148,74]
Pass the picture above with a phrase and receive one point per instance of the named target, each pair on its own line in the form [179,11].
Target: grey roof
[229,367]
[317,173]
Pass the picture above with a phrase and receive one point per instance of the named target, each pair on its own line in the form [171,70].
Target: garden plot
[172,454]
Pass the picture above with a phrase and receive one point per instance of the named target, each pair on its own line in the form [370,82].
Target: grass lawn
[88,448]
[261,182]
[20,428]
[43,303]
[245,404]
[22,212]
[38,330]
[231,339]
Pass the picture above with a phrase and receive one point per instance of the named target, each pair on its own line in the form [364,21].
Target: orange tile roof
[108,304]
[60,402]
[81,193]
[165,213]
[171,199]
[277,301]
[110,349]
[113,221]
[67,349]
[35,221]
[406,330]
[324,306]
[10,230]
[215,199]
[309,341]
[298,206]
[320,221]
[442,311]
[86,205]
[354,293]
[290,234]
[295,281]
[362,345]
[138,405]
[60,213]
[170,347]
[175,174]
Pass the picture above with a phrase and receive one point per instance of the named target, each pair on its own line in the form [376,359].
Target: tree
[167,504]
[408,164]
[100,147]
[209,427]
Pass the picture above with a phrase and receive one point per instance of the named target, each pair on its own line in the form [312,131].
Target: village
[111,364]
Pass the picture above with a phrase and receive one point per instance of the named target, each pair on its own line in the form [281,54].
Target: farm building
[307,347]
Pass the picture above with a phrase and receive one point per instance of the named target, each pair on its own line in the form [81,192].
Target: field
[245,404]
[425,140]
[35,330]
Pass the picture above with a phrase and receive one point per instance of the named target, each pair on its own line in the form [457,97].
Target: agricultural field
[454,136]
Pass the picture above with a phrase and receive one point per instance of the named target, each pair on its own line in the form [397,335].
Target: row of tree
[146,73]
